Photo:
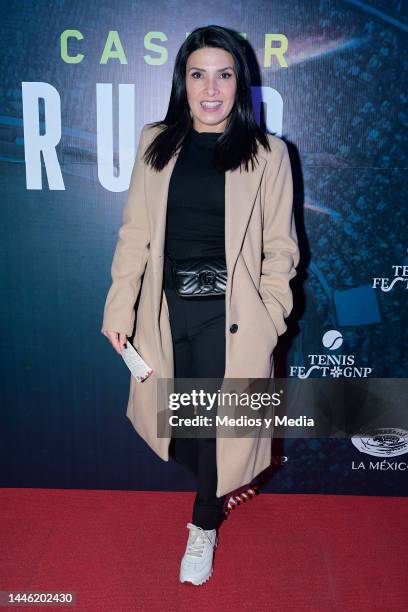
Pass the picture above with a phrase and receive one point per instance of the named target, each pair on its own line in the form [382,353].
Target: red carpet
[120,551]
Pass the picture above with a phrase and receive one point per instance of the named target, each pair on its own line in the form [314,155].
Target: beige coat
[258,218]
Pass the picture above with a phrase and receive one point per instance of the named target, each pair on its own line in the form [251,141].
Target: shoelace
[196,540]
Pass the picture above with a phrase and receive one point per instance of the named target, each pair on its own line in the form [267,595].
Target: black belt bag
[199,276]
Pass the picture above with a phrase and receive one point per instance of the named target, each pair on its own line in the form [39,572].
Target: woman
[207,186]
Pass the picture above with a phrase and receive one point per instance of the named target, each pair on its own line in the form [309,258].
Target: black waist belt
[198,276]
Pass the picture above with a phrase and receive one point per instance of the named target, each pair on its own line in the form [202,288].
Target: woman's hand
[116,339]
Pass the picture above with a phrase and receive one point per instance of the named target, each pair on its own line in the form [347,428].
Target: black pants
[198,331]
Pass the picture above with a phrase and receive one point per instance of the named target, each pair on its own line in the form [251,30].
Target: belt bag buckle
[199,276]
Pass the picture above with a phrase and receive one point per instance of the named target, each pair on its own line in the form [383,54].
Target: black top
[195,205]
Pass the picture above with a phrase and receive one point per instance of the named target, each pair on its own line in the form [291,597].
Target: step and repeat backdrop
[78,82]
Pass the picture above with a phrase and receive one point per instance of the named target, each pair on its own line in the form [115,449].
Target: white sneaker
[197,562]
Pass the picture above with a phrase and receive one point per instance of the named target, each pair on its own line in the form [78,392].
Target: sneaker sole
[197,583]
[236,500]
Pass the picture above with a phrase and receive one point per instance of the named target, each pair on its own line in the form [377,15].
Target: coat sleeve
[280,243]
[131,253]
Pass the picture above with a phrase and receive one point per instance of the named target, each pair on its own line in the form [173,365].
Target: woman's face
[211,86]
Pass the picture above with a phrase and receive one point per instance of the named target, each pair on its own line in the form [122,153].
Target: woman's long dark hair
[238,143]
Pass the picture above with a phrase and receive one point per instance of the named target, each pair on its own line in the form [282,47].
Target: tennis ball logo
[332,339]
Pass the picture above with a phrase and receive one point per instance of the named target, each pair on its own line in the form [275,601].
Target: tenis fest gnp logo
[331,365]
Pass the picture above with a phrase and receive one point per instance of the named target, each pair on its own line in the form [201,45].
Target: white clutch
[139,368]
